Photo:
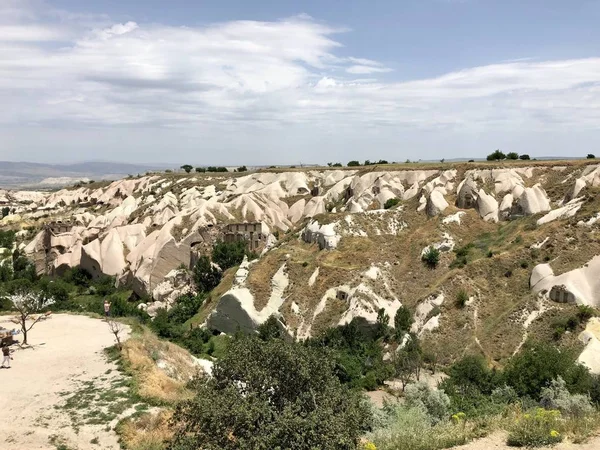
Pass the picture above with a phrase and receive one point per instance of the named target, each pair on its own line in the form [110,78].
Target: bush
[242,169]
[7,239]
[524,157]
[496,156]
[185,308]
[532,370]
[512,155]
[229,254]
[206,276]
[390,203]
[435,402]
[305,406]
[535,429]
[557,396]
[403,320]
[462,298]
[585,313]
[187,168]
[200,169]
[591,156]
[431,257]
[353,164]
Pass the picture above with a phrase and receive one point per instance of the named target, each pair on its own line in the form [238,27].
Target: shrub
[229,254]
[462,298]
[585,313]
[305,406]
[185,308]
[462,256]
[187,168]
[496,156]
[353,163]
[512,155]
[200,170]
[557,396]
[242,169]
[535,429]
[431,257]
[591,156]
[403,320]
[537,364]
[7,238]
[206,276]
[524,157]
[435,402]
[524,264]
[337,165]
[390,203]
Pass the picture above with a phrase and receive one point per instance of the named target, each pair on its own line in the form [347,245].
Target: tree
[242,169]
[28,304]
[403,320]
[353,163]
[408,360]
[5,212]
[116,328]
[337,164]
[187,168]
[524,157]
[591,156]
[229,254]
[496,156]
[512,155]
[200,169]
[382,325]
[206,275]
[271,395]
[270,329]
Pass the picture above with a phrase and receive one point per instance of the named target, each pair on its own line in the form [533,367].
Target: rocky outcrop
[323,235]
[467,195]
[436,204]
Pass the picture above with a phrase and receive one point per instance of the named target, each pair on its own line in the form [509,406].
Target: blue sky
[266,82]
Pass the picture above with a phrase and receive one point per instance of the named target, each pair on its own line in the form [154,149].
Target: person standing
[106,308]
[6,355]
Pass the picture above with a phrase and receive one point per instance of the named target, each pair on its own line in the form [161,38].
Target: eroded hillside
[515,242]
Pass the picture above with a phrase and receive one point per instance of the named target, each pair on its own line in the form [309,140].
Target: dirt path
[42,395]
[497,441]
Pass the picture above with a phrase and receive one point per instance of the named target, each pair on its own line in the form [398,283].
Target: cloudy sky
[275,82]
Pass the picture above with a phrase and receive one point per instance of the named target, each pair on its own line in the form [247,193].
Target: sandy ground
[497,441]
[67,351]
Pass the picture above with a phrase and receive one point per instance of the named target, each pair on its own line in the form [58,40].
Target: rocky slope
[524,237]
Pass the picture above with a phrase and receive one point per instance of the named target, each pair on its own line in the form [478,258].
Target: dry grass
[141,354]
[150,431]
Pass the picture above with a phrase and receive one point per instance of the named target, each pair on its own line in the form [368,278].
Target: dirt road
[37,401]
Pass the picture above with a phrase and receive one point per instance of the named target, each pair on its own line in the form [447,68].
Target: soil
[66,351]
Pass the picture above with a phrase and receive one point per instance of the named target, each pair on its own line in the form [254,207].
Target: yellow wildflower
[554,433]
[370,446]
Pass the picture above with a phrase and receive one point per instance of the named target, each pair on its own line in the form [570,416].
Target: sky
[297,82]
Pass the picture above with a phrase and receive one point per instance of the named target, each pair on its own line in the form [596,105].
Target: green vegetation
[241,169]
[390,203]
[230,254]
[304,407]
[524,157]
[7,238]
[353,163]
[187,168]
[431,257]
[403,320]
[497,155]
[512,156]
[206,275]
[462,297]
[591,156]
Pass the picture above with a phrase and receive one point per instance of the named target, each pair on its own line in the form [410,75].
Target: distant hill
[33,175]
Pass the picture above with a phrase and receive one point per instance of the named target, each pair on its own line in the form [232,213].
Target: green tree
[532,369]
[200,169]
[497,155]
[270,329]
[524,157]
[206,276]
[403,320]
[7,239]
[512,155]
[5,211]
[271,395]
[591,156]
[242,169]
[353,163]
[229,254]
[382,324]
[187,168]
[408,361]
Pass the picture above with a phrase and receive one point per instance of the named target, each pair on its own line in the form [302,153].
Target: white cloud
[257,80]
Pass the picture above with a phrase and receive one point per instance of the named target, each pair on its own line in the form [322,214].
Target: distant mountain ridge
[28,174]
